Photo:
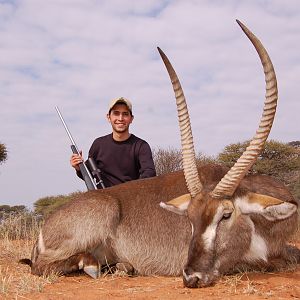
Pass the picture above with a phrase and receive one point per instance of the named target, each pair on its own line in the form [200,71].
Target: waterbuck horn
[187,145]
[231,180]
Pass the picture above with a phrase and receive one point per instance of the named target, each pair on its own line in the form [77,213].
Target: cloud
[80,54]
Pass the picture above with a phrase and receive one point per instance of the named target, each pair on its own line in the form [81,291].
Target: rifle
[87,176]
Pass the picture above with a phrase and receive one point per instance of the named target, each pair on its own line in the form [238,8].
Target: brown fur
[124,224]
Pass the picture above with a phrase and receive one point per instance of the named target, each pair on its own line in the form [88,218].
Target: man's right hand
[75,160]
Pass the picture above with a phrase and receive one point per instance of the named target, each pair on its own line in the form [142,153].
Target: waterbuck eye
[226,215]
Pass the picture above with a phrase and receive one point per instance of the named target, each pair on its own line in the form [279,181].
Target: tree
[295,144]
[276,159]
[7,209]
[3,153]
[279,160]
[46,205]
[15,208]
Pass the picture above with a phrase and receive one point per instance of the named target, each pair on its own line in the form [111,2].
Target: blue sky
[80,54]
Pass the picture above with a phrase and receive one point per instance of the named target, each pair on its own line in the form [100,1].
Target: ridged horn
[188,153]
[229,183]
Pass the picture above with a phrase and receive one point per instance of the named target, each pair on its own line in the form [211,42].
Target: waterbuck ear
[269,207]
[177,205]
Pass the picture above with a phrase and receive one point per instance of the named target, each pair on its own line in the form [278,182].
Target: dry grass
[15,281]
[240,284]
[16,226]
[18,233]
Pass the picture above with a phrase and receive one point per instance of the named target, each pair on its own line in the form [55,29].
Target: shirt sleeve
[147,168]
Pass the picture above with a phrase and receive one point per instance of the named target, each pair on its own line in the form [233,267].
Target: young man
[121,156]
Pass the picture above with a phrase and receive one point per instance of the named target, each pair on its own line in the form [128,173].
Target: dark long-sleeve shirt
[122,161]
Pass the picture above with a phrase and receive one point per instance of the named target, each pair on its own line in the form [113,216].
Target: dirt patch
[17,283]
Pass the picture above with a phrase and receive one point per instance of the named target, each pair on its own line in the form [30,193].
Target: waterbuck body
[125,224]
[122,224]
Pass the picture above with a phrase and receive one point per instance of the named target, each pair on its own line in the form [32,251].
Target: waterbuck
[232,219]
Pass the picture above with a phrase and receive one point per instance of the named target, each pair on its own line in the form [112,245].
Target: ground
[16,282]
[251,286]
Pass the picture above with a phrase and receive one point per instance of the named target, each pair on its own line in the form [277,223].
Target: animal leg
[289,257]
[293,253]
[76,262]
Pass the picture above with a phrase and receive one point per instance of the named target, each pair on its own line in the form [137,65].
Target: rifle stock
[89,182]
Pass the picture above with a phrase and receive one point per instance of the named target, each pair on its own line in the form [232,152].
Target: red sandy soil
[250,286]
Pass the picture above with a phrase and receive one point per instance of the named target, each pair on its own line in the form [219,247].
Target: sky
[79,54]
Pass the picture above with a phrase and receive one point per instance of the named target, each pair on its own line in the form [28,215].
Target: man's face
[120,118]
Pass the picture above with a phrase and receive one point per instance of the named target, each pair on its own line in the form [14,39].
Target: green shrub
[45,206]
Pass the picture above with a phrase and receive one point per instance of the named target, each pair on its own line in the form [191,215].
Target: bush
[7,209]
[3,153]
[170,160]
[47,205]
[279,160]
[276,160]
[166,160]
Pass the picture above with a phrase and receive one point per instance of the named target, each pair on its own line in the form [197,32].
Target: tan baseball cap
[123,100]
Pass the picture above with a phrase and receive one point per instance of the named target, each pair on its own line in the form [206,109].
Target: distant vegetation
[279,160]
[6,209]
[169,160]
[3,153]
[44,206]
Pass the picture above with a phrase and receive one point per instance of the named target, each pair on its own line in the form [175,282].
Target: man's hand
[75,160]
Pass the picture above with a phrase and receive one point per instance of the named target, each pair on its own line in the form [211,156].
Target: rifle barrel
[66,128]
[87,177]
